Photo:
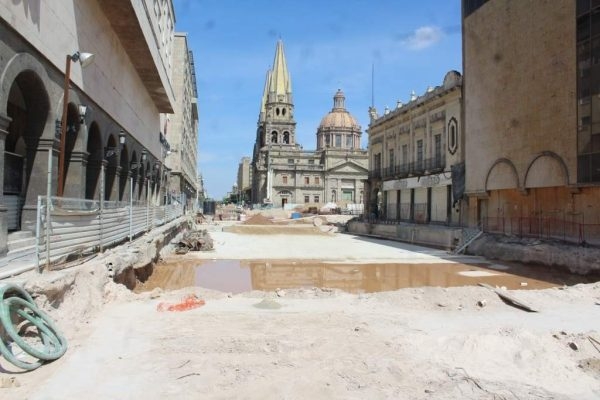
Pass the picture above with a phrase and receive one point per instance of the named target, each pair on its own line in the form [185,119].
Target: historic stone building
[113,106]
[416,158]
[244,179]
[282,172]
[532,116]
[181,128]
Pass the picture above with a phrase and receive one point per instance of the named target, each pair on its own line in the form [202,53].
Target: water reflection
[378,277]
[240,276]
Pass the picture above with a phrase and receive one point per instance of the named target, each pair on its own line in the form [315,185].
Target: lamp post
[84,59]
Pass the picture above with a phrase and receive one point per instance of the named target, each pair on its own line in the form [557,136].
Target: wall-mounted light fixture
[144,156]
[121,137]
[83,110]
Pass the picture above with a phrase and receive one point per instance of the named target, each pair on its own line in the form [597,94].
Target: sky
[376,51]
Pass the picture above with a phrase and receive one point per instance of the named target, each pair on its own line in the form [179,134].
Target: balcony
[417,168]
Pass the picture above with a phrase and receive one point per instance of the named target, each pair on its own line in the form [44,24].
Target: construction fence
[76,227]
[544,227]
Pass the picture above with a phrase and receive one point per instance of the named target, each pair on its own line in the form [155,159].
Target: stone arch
[111,157]
[25,100]
[94,161]
[134,171]
[19,63]
[502,175]
[546,169]
[274,137]
[124,173]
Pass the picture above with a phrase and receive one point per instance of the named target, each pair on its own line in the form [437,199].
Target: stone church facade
[285,174]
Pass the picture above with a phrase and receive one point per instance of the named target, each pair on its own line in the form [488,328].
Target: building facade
[533,130]
[181,128]
[416,158]
[112,119]
[244,179]
[282,172]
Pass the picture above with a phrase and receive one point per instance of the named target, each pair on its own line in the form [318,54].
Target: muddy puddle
[237,276]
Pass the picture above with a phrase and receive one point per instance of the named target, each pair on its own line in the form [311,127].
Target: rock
[482,303]
[9,381]
[268,304]
[280,292]
[574,346]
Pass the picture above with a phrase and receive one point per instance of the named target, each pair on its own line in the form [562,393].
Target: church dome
[339,117]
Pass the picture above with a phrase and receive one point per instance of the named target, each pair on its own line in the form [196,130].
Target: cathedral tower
[276,126]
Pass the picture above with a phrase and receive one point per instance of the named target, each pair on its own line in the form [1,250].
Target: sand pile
[258,219]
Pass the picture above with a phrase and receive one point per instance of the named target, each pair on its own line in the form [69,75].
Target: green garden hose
[17,304]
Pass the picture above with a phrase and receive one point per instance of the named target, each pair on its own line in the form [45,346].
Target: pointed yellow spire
[280,83]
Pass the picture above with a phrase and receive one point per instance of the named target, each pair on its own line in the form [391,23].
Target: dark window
[391,160]
[290,160]
[311,162]
[588,90]
[307,199]
[349,142]
[284,178]
[317,181]
[470,6]
[274,137]
[420,154]
[316,199]
[338,140]
[286,137]
[438,150]
[306,180]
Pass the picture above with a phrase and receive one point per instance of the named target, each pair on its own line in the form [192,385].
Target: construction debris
[508,298]
[195,241]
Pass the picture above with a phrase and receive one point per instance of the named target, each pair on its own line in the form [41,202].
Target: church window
[338,140]
[283,111]
[277,111]
[286,137]
[274,137]
[349,142]
[327,140]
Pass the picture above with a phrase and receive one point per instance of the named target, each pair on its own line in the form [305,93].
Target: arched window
[283,111]
[286,137]
[277,111]
[274,137]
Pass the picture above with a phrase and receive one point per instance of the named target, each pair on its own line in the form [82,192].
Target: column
[38,178]
[75,176]
[4,122]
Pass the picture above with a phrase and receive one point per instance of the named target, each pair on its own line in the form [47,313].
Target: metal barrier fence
[77,226]
[544,228]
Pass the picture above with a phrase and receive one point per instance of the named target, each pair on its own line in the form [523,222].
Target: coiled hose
[17,305]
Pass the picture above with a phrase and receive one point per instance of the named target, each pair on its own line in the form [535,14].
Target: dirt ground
[419,343]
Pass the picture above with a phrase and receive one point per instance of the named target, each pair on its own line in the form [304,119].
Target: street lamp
[84,59]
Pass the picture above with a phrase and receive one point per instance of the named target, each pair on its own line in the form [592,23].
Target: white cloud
[423,37]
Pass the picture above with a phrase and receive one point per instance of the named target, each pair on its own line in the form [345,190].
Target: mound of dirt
[258,219]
